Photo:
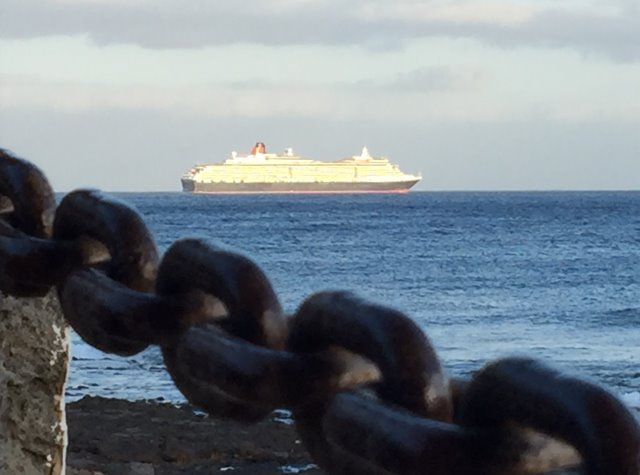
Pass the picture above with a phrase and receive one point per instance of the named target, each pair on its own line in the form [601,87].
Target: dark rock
[115,437]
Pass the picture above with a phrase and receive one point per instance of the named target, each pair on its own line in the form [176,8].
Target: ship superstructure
[262,172]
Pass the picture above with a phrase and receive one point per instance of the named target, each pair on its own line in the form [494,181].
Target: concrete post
[34,361]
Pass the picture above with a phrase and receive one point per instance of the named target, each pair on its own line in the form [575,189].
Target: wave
[631,399]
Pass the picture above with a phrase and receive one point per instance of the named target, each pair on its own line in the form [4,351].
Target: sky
[126,95]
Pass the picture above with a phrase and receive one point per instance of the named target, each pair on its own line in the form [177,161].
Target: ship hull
[315,187]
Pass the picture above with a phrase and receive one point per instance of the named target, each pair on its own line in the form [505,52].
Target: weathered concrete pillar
[34,360]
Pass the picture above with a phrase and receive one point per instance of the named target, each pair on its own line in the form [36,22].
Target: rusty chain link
[364,384]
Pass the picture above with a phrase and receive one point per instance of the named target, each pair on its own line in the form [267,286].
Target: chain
[363,382]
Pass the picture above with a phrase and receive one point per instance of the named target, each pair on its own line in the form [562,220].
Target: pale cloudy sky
[495,95]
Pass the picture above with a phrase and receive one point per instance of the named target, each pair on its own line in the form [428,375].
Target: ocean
[551,275]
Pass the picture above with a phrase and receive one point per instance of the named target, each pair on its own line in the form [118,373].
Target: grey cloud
[617,37]
[178,25]
[431,79]
[202,23]
[423,80]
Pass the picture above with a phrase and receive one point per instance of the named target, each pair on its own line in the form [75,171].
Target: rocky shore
[115,437]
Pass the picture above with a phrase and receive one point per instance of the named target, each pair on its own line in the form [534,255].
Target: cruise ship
[262,172]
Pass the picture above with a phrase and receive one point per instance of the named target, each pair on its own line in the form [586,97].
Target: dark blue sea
[553,275]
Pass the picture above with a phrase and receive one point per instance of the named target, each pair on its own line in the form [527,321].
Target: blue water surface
[553,275]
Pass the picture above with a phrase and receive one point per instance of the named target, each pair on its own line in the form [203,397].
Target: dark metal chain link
[364,383]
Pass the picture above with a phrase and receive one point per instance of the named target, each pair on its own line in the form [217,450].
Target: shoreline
[118,437]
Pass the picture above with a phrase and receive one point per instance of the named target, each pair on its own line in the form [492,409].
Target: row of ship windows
[315,170]
[280,180]
[299,175]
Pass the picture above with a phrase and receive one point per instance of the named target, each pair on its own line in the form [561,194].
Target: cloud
[432,79]
[418,81]
[377,25]
[448,12]
[438,94]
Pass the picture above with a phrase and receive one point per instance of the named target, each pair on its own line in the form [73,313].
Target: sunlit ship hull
[388,187]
